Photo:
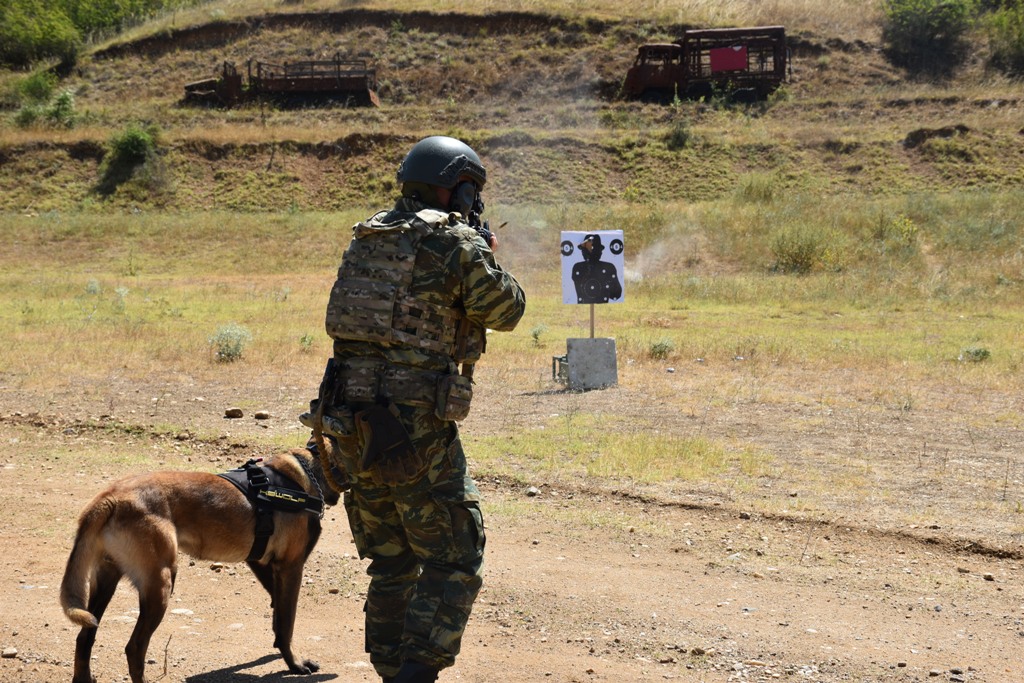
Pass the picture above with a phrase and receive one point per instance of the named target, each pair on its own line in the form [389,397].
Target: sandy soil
[585,581]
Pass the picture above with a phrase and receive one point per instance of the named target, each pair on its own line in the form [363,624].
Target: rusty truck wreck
[337,79]
[746,63]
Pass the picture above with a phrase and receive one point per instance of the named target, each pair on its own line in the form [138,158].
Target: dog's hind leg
[101,591]
[287,584]
[154,596]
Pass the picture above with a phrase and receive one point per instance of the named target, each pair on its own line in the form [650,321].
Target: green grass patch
[569,446]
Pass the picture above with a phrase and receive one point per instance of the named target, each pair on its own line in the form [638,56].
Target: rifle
[483,229]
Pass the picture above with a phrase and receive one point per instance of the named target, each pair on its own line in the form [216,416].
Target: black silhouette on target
[597,281]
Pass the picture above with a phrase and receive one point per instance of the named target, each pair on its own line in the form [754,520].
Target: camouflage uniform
[425,536]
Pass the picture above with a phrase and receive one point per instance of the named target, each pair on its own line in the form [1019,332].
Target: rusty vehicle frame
[296,82]
[753,61]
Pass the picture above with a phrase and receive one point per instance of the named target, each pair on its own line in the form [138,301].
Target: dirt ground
[584,581]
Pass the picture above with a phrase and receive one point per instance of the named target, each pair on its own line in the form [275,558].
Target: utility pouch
[454,393]
[388,453]
[337,420]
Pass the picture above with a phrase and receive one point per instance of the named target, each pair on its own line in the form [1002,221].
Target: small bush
[229,342]
[28,115]
[58,113]
[536,333]
[61,111]
[928,37]
[128,151]
[306,342]
[661,349]
[38,87]
[679,135]
[974,354]
[134,145]
[798,250]
[900,231]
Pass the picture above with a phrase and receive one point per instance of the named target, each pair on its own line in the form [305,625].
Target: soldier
[416,289]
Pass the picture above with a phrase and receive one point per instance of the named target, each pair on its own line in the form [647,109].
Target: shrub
[37,88]
[661,349]
[28,115]
[229,342]
[36,29]
[1006,39]
[679,135]
[134,145]
[61,111]
[127,151]
[974,354]
[798,249]
[536,333]
[928,36]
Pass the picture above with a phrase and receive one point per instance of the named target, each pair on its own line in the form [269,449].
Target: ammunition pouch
[454,394]
[367,380]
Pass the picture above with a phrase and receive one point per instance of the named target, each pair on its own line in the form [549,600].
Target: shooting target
[592,267]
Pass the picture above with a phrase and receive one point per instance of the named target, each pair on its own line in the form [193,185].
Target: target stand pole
[591,321]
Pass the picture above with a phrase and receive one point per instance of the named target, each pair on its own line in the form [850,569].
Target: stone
[10,653]
[262,415]
[233,413]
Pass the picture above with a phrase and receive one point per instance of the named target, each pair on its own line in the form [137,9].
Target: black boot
[415,672]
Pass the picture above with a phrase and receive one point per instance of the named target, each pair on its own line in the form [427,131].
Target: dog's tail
[81,568]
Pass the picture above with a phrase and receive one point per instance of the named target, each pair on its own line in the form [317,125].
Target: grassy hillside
[536,91]
[852,168]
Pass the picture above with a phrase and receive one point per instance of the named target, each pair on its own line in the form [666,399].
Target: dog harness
[268,491]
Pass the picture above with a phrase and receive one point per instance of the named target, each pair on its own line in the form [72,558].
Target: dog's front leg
[265,574]
[285,597]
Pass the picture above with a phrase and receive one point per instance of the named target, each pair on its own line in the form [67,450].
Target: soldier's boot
[415,672]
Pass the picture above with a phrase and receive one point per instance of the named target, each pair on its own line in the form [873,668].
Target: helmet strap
[422,192]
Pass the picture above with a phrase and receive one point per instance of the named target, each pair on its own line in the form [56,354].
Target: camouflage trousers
[425,542]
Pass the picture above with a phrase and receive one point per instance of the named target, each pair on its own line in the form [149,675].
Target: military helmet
[441,161]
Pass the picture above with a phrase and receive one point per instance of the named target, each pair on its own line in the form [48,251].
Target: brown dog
[136,527]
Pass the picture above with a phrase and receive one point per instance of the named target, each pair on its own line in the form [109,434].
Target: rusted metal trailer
[324,78]
[351,80]
[744,62]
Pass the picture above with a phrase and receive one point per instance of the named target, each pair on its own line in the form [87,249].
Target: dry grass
[848,18]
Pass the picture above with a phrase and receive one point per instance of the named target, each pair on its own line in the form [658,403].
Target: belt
[371,381]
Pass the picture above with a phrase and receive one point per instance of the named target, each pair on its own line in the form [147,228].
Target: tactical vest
[371,300]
